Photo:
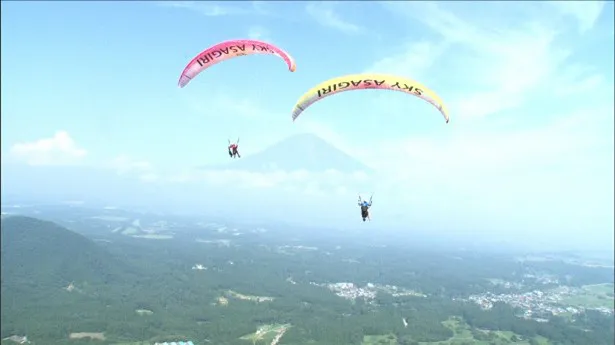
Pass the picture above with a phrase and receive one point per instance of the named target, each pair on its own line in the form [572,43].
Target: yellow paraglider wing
[369,81]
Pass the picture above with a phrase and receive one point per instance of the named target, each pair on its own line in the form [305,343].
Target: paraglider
[228,50]
[368,81]
[233,149]
[365,205]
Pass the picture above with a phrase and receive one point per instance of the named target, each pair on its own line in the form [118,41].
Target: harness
[361,201]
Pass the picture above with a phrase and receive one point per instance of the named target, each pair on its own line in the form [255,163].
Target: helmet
[365,203]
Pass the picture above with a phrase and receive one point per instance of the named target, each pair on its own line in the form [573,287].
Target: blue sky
[529,85]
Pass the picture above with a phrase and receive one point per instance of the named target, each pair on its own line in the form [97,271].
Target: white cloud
[144,170]
[259,33]
[324,14]
[496,69]
[586,13]
[60,149]
[479,163]
[300,181]
[216,9]
[210,9]
[124,163]
[413,61]
[586,84]
[149,177]
[260,6]
[555,177]
[519,65]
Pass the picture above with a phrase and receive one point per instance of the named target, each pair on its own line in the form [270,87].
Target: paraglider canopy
[368,81]
[228,50]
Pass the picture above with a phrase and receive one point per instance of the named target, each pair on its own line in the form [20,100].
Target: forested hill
[40,254]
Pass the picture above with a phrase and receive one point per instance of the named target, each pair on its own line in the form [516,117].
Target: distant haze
[232,189]
[293,160]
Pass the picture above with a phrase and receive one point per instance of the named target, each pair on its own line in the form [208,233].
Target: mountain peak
[298,152]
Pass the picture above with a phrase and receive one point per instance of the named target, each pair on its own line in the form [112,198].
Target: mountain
[298,152]
[40,254]
[97,186]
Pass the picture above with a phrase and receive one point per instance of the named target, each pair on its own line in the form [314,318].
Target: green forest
[58,284]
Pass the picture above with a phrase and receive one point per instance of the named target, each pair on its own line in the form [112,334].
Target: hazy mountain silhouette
[298,152]
[104,186]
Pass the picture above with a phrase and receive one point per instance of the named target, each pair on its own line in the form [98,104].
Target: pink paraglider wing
[227,50]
